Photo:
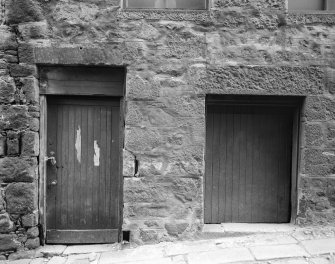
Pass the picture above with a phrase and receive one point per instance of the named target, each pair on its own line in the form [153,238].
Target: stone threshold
[246,228]
[64,250]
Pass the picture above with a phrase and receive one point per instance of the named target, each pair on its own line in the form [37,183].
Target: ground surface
[217,244]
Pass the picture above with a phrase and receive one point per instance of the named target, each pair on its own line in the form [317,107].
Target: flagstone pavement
[292,246]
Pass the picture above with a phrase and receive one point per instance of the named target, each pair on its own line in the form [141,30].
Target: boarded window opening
[250,164]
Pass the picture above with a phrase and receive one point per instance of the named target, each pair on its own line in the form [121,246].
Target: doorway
[81,139]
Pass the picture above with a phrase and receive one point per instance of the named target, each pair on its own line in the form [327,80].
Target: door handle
[52,160]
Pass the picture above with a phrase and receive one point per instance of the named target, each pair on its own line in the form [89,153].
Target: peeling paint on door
[78,144]
[96,154]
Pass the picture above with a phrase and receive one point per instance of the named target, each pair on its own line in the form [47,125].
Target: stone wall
[19,147]
[173,59]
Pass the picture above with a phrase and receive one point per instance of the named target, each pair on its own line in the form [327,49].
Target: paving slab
[82,249]
[152,261]
[79,261]
[255,240]
[78,258]
[18,261]
[132,255]
[220,256]
[278,251]
[314,233]
[322,260]
[182,248]
[93,256]
[319,246]
[213,228]
[180,259]
[39,261]
[57,260]
[302,235]
[52,250]
[289,261]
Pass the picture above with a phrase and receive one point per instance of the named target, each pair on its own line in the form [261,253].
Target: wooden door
[83,187]
[248,164]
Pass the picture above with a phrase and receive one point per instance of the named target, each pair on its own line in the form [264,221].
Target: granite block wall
[173,60]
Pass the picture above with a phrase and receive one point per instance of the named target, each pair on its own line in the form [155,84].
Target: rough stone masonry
[173,59]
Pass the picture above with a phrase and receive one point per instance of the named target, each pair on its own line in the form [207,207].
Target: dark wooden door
[83,187]
[248,164]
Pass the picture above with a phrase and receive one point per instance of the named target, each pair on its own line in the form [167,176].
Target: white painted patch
[78,144]
[96,154]
[328,153]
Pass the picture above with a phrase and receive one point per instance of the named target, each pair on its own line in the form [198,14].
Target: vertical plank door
[83,187]
[248,164]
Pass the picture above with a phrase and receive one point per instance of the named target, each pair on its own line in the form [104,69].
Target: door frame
[294,102]
[43,103]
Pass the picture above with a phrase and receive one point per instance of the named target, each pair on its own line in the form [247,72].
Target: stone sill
[166,14]
[248,228]
[311,12]
[164,10]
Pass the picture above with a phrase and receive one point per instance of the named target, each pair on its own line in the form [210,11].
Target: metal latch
[52,160]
